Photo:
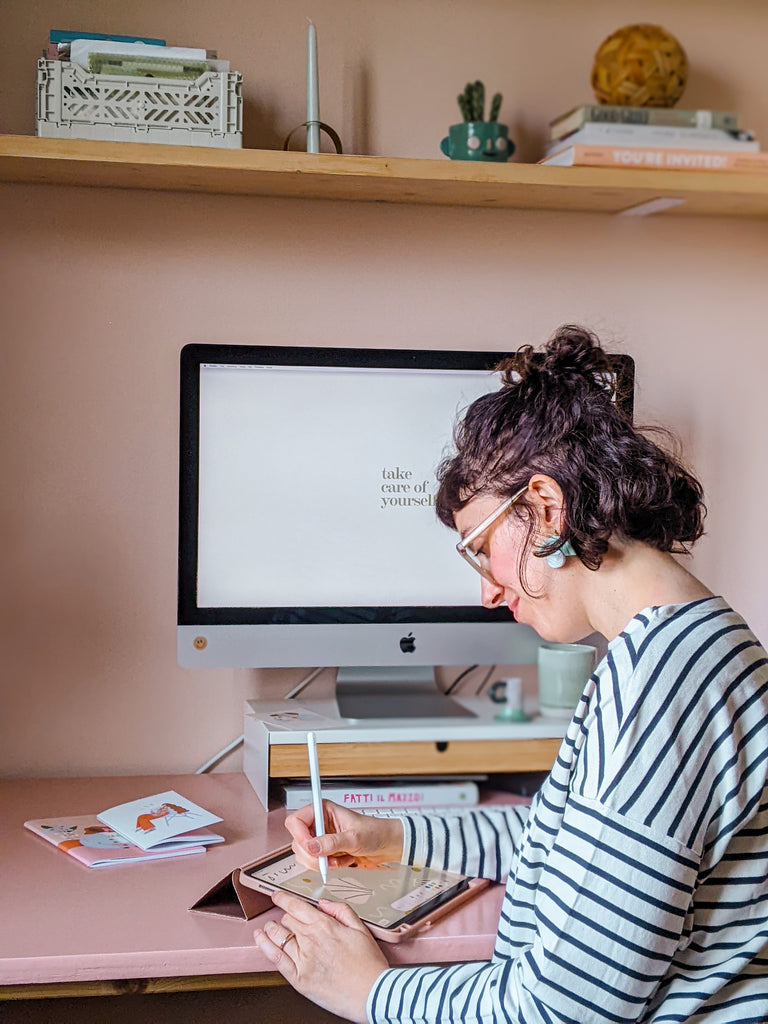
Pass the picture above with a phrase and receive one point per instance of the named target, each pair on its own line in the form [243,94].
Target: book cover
[96,845]
[660,158]
[153,821]
[575,118]
[602,134]
[58,35]
[81,49]
[362,796]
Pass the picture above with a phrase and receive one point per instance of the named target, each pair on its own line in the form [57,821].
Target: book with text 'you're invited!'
[663,158]
[159,826]
[663,136]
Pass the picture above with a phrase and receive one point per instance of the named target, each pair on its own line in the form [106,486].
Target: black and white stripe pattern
[637,884]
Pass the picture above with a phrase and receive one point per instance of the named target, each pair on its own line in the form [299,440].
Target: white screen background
[296,466]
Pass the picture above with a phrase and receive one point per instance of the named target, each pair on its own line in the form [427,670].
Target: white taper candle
[313,101]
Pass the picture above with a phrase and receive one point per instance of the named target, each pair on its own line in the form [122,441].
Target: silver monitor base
[394,692]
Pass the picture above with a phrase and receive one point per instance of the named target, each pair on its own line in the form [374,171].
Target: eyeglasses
[464,545]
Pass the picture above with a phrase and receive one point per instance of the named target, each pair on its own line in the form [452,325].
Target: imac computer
[307,530]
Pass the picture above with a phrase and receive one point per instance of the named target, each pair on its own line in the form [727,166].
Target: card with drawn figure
[96,845]
[155,820]
[386,896]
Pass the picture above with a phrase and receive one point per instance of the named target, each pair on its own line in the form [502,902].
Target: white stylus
[317,800]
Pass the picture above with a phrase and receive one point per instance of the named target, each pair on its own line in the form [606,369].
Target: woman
[637,884]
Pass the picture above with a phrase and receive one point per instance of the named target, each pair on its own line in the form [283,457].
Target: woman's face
[554,611]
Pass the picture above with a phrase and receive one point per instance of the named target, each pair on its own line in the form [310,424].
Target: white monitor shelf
[278,174]
[275,743]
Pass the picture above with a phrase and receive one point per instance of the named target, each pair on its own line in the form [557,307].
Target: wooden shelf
[415,758]
[277,174]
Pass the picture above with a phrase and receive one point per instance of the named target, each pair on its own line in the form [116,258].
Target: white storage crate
[74,104]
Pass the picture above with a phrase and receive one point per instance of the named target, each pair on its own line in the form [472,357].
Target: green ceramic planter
[478,140]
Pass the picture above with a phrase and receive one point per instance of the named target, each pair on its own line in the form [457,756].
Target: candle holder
[332,135]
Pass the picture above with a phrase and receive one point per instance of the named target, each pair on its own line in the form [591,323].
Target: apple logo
[407,644]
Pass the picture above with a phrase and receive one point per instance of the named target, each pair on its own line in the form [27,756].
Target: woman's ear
[546,496]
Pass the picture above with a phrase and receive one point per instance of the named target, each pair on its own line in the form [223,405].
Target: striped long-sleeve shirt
[637,884]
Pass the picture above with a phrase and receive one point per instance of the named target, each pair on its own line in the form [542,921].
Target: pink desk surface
[61,922]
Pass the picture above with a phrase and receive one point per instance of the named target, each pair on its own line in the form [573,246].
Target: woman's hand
[326,953]
[350,839]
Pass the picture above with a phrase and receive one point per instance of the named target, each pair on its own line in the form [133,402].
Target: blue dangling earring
[556,559]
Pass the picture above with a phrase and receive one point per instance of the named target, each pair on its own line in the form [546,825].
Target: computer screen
[307,530]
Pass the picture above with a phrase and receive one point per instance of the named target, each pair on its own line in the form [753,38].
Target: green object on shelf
[478,140]
[508,714]
[479,102]
[134,66]
[472,103]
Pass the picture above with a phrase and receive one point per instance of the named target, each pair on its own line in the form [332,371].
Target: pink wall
[101,289]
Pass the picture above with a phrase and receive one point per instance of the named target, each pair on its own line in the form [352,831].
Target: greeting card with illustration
[164,825]
[153,821]
[96,845]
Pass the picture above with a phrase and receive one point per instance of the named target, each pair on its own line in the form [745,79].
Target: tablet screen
[386,896]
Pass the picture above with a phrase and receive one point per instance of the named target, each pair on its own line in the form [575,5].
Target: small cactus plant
[472,103]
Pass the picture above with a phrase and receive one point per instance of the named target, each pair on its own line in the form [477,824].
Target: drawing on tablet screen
[348,890]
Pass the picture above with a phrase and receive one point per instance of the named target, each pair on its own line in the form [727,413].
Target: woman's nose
[491,594]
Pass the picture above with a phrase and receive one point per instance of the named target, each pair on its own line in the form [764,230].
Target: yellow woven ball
[640,66]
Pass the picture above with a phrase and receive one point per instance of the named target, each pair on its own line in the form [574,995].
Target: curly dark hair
[555,414]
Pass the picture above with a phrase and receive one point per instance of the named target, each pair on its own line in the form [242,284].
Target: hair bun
[572,362]
[574,350]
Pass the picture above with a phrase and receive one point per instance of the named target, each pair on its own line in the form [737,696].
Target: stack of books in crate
[653,137]
[136,89]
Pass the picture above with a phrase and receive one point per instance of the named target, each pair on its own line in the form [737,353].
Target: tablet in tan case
[394,900]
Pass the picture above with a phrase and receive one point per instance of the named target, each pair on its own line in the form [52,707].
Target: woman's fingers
[275,942]
[342,913]
[327,954]
[296,908]
[350,838]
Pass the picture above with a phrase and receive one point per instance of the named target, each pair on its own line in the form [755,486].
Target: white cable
[241,739]
[304,683]
[220,756]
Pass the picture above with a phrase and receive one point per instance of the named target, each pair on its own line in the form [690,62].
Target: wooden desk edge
[140,986]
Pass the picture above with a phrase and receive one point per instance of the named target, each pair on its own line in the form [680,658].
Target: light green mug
[563,671]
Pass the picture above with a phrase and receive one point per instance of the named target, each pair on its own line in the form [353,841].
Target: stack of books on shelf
[653,137]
